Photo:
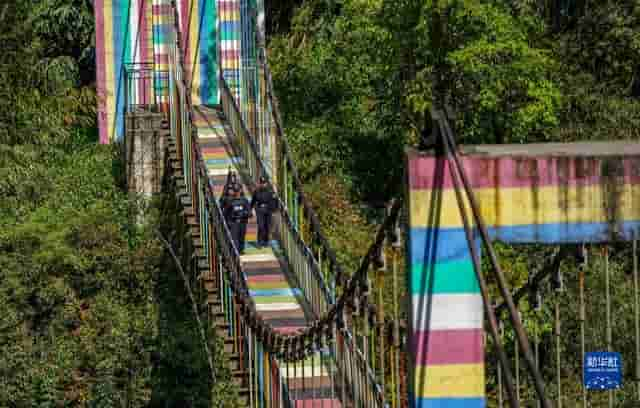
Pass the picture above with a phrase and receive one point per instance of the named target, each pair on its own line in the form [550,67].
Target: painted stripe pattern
[135,32]
[276,299]
[529,199]
[229,27]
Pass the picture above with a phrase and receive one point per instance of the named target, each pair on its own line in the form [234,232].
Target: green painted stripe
[445,277]
[261,300]
[252,250]
[229,35]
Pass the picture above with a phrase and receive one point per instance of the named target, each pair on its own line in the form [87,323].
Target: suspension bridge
[185,87]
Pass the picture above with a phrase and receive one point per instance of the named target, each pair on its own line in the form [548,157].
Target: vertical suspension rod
[493,324]
[583,315]
[636,310]
[513,313]
[608,309]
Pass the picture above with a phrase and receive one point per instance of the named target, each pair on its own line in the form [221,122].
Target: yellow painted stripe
[228,64]
[268,285]
[258,258]
[519,206]
[109,61]
[450,381]
[305,372]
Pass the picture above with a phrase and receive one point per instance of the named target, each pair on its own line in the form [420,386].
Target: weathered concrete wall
[145,143]
[558,193]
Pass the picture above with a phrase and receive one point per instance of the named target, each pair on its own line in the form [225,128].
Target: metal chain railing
[352,379]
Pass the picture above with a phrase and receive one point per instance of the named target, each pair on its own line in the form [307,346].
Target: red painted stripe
[210,150]
[225,5]
[101,72]
[162,9]
[230,54]
[288,330]
[507,172]
[162,58]
[437,347]
[267,278]
[319,403]
[184,15]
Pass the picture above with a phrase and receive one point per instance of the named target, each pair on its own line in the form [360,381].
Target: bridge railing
[237,311]
[261,349]
[352,353]
[302,263]
[257,108]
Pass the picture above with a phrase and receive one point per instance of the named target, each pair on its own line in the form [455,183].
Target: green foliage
[86,318]
[499,82]
[77,318]
[356,78]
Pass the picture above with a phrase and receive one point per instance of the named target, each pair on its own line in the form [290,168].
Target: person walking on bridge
[237,213]
[263,201]
[229,185]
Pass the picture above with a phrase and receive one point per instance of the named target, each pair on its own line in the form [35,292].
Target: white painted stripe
[134,34]
[228,45]
[447,312]
[274,307]
[258,257]
[306,372]
[218,172]
[208,134]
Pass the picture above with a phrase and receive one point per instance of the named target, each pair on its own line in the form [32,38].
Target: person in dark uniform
[229,184]
[237,213]
[263,201]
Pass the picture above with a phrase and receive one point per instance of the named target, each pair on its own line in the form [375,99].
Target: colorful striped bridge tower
[133,35]
[536,193]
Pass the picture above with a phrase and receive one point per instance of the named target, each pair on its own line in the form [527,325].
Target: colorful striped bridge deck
[280,303]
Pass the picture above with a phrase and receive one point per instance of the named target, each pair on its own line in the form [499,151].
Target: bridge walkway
[278,298]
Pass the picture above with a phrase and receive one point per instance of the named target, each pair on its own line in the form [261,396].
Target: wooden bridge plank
[276,299]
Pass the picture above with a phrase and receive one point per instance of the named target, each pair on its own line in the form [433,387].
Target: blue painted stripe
[212,162]
[231,74]
[203,52]
[430,245]
[449,403]
[230,26]
[276,292]
[449,244]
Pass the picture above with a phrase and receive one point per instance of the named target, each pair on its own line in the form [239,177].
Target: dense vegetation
[85,309]
[88,319]
[356,82]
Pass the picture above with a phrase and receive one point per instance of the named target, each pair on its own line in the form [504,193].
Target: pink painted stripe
[266,278]
[230,54]
[438,347]
[226,4]
[184,16]
[288,330]
[162,9]
[507,172]
[318,403]
[101,72]
[212,150]
[144,49]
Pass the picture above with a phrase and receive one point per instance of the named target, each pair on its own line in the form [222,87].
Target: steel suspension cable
[636,309]
[493,325]
[187,285]
[502,284]
[583,316]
